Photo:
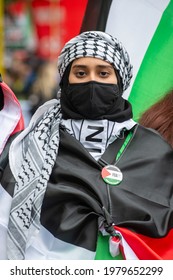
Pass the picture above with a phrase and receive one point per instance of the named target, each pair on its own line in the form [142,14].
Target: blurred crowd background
[32,33]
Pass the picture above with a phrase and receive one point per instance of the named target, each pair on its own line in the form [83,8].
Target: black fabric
[109,155]
[77,199]
[71,192]
[142,202]
[1,98]
[4,155]
[1,95]
[6,177]
[96,15]
[92,99]
[121,112]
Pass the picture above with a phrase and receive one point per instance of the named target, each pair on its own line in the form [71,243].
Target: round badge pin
[112,175]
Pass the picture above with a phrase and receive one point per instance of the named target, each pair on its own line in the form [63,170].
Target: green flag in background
[155,75]
[146,30]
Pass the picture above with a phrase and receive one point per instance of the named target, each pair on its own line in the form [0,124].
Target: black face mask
[92,100]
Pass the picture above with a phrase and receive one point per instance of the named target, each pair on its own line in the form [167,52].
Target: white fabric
[101,45]
[134,23]
[109,131]
[38,156]
[5,205]
[114,248]
[43,246]
[15,154]
[9,117]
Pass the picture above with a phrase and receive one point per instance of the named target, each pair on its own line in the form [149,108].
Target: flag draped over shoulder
[142,217]
[145,29]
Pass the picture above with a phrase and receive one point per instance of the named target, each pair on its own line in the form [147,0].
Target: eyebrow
[98,66]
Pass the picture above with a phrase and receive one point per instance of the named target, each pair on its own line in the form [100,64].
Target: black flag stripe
[96,15]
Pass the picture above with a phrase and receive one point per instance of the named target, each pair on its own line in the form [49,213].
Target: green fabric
[155,76]
[102,250]
[129,136]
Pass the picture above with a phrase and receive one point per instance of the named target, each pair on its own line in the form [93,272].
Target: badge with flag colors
[112,175]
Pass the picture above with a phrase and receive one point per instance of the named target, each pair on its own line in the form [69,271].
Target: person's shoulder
[153,138]
[150,131]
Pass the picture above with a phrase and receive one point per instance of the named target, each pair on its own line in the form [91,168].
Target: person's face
[88,69]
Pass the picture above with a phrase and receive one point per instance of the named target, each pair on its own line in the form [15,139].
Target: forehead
[90,61]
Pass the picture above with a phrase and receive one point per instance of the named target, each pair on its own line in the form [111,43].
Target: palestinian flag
[145,29]
[132,246]
[77,200]
[135,246]
[11,118]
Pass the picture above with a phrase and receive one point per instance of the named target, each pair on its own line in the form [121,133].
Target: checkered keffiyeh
[99,45]
[39,152]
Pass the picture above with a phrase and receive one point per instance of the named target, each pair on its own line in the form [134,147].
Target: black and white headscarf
[99,45]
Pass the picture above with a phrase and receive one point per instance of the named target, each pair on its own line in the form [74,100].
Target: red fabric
[148,248]
[56,22]
[20,124]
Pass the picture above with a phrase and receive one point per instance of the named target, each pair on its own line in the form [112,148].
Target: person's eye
[104,74]
[80,74]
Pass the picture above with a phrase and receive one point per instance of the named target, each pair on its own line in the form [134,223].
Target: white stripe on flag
[134,23]
[43,246]
[114,248]
[46,246]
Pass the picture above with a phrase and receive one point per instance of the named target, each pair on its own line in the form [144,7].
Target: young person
[85,181]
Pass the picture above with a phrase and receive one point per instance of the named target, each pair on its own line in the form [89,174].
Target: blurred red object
[11,117]
[55,23]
